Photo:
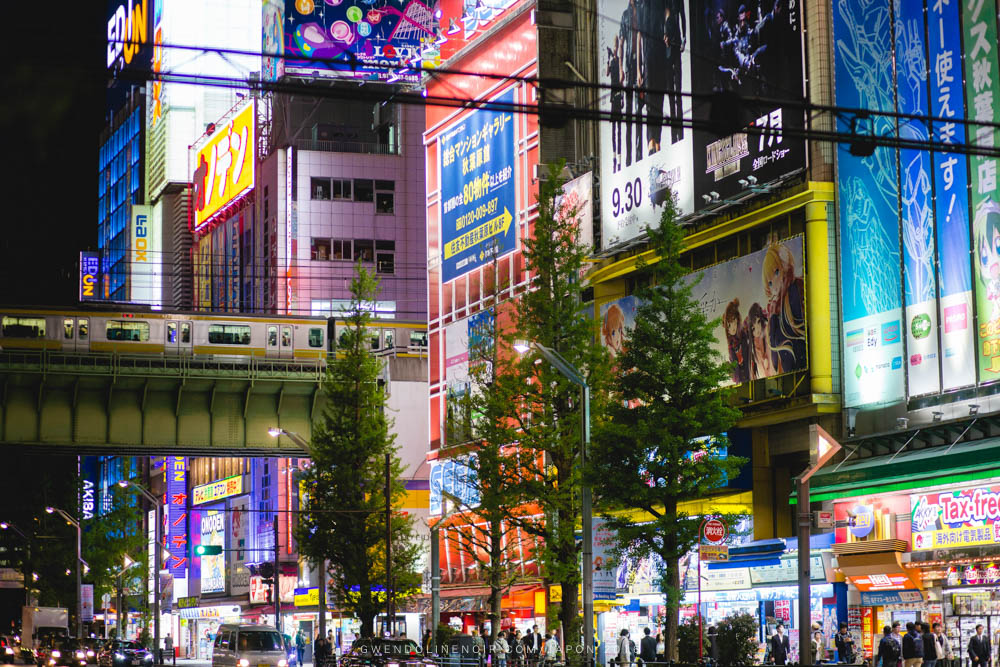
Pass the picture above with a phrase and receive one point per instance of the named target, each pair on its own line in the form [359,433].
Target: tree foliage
[531,404]
[344,520]
[658,445]
[111,535]
[737,640]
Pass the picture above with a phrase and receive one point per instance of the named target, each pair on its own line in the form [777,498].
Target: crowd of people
[924,645]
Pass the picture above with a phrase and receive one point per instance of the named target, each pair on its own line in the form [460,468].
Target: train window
[23,327]
[418,339]
[390,338]
[229,334]
[286,336]
[171,332]
[186,332]
[68,328]
[272,336]
[130,331]
[315,338]
[83,329]
[376,341]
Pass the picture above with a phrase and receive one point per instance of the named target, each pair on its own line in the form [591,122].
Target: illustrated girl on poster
[739,345]
[613,330]
[987,229]
[785,309]
[761,357]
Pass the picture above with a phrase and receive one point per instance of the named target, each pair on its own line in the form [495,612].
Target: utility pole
[390,612]
[276,589]
[322,600]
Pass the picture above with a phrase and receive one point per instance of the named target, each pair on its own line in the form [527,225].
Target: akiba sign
[958,518]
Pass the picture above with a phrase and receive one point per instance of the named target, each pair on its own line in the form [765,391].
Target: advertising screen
[177,530]
[951,205]
[90,276]
[982,92]
[223,488]
[455,477]
[759,300]
[213,532]
[478,207]
[368,40]
[239,519]
[869,215]
[750,48]
[617,321]
[225,165]
[273,42]
[958,518]
[129,46]
[146,269]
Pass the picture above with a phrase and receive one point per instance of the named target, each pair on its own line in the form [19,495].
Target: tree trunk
[367,623]
[569,616]
[496,579]
[670,585]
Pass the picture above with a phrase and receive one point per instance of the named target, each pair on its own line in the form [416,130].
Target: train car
[230,336]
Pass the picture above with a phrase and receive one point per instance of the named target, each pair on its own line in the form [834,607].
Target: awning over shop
[909,469]
[876,566]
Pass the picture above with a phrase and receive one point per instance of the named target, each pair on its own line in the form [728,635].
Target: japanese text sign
[176,468]
[230,486]
[225,166]
[962,518]
[478,206]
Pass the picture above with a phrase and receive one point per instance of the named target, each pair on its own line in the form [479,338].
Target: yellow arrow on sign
[994,365]
[493,227]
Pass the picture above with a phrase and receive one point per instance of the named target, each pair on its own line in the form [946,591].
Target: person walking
[845,645]
[533,645]
[713,644]
[888,651]
[478,646]
[647,647]
[168,645]
[500,650]
[913,646]
[979,649]
[300,646]
[624,648]
[943,646]
[517,649]
[550,650]
[779,646]
[930,645]
[661,647]
[818,649]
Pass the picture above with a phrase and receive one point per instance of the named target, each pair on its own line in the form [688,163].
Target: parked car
[8,649]
[91,647]
[246,645]
[120,653]
[384,653]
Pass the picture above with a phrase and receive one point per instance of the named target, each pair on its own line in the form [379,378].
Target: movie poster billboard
[951,204]
[478,205]
[642,162]
[212,528]
[371,40]
[916,205]
[749,48]
[982,92]
[869,215]
[759,300]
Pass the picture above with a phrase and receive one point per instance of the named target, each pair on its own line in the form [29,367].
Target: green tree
[658,446]
[532,405]
[111,535]
[738,640]
[343,519]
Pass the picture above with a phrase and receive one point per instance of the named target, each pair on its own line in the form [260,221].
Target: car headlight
[90,654]
[51,661]
[56,654]
[244,662]
[282,663]
[119,656]
[9,651]
[149,656]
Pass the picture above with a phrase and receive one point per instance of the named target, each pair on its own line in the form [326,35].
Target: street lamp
[120,601]
[157,558]
[586,511]
[79,563]
[6,525]
[299,441]
[436,565]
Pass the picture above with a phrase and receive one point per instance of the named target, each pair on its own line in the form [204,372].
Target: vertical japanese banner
[177,534]
[869,217]
[982,88]
[915,204]
[951,181]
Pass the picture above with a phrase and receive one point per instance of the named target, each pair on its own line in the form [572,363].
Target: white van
[248,646]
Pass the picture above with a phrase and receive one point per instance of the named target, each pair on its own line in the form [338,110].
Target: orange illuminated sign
[883,582]
[225,166]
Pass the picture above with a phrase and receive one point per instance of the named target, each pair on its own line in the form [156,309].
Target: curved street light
[79,564]
[157,557]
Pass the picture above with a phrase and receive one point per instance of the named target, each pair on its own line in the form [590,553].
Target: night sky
[51,118]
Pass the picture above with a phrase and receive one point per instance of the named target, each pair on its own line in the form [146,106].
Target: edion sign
[127,31]
[714,531]
[225,165]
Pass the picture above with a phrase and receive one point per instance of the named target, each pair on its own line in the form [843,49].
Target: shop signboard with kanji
[955,518]
[177,531]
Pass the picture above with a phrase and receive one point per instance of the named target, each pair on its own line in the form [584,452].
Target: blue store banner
[916,203]
[951,183]
[478,204]
[869,216]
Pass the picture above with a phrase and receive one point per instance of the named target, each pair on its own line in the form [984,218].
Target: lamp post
[6,525]
[299,441]
[436,563]
[157,558]
[79,564]
[119,601]
[586,511]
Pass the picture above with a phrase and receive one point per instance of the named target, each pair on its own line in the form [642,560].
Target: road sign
[714,531]
[714,553]
[106,599]
[824,519]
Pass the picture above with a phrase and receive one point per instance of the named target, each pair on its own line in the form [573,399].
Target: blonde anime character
[785,308]
[613,330]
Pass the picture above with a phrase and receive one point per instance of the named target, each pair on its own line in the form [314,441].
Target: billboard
[951,181]
[90,276]
[146,271]
[453,476]
[747,48]
[213,532]
[916,205]
[955,518]
[759,300]
[225,166]
[128,46]
[356,41]
[223,488]
[239,520]
[869,216]
[273,39]
[617,321]
[982,92]
[177,530]
[478,205]
[577,198]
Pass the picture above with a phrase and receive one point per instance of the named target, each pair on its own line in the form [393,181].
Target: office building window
[385,257]
[320,249]
[341,249]
[364,190]
[364,250]
[341,188]
[320,188]
[385,203]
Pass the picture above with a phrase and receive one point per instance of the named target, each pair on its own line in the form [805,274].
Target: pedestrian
[713,645]
[888,651]
[319,649]
[779,646]
[300,646]
[647,647]
[818,650]
[913,646]
[478,646]
[168,644]
[943,646]
[517,645]
[533,645]
[426,643]
[500,649]
[661,647]
[624,648]
[845,645]
[930,645]
[979,649]
[550,650]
